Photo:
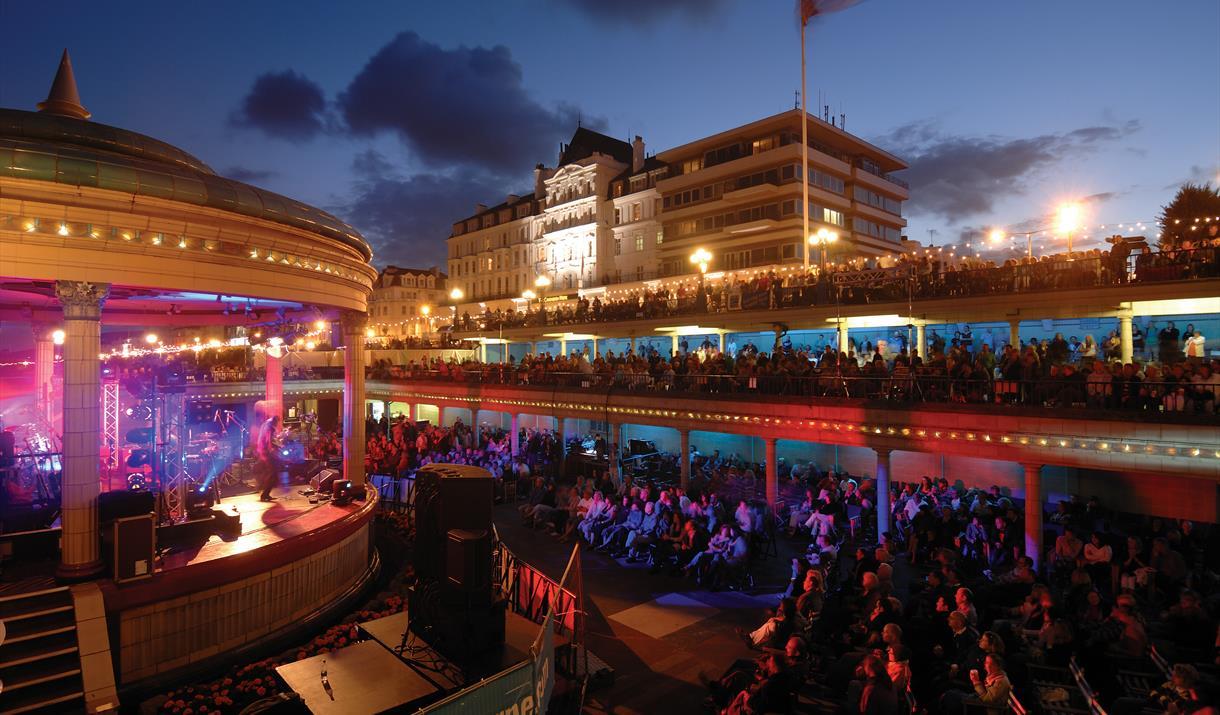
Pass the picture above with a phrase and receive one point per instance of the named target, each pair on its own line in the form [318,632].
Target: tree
[1189,215]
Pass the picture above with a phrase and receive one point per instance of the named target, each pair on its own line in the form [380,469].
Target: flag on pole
[811,8]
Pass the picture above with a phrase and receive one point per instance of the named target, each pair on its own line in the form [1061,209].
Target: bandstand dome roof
[60,145]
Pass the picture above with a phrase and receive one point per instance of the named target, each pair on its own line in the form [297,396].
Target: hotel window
[636,210]
[618,245]
[656,207]
[690,166]
[618,189]
[660,236]
[639,273]
[618,216]
[832,216]
[764,144]
[639,242]
[684,228]
[789,250]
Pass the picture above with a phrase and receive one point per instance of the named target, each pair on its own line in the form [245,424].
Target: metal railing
[901,386]
[902,283]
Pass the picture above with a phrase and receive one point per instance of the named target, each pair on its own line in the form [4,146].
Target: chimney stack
[637,155]
[512,199]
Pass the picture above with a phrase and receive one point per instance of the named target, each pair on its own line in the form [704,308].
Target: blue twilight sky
[400,116]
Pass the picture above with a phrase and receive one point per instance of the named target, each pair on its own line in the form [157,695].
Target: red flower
[261,692]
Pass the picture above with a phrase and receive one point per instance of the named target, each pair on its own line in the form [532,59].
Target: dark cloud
[956,177]
[285,105]
[643,12]
[407,218]
[463,106]
[248,175]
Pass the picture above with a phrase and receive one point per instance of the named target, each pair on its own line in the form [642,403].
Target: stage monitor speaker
[227,525]
[8,449]
[324,480]
[135,544]
[468,563]
[447,497]
[115,505]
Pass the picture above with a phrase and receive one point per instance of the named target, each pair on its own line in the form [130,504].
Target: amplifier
[324,480]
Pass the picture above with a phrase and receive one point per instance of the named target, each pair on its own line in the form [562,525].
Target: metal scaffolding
[110,425]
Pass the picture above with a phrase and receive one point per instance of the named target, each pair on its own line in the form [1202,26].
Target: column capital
[354,322]
[1030,467]
[81,300]
[883,451]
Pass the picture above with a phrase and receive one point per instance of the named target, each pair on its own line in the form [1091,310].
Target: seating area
[947,614]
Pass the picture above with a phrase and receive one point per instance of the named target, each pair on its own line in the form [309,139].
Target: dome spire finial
[63,98]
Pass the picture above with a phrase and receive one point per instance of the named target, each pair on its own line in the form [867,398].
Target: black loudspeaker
[227,525]
[8,448]
[324,480]
[448,497]
[115,505]
[135,542]
[468,562]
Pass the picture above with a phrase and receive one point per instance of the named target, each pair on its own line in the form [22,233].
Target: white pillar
[482,352]
[44,372]
[1014,333]
[411,412]
[720,333]
[1124,337]
[563,346]
[673,343]
[772,473]
[633,351]
[273,403]
[1033,513]
[684,459]
[80,549]
[354,324]
[595,347]
[844,340]
[921,340]
[883,491]
[514,435]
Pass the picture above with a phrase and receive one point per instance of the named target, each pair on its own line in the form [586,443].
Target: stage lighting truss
[110,424]
[171,428]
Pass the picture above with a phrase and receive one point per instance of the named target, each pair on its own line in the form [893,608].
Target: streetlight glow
[997,235]
[528,294]
[456,294]
[542,281]
[425,310]
[57,337]
[701,258]
[823,238]
[1068,218]
[151,338]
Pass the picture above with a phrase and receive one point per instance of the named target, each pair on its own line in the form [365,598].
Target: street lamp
[455,296]
[823,238]
[1068,220]
[701,258]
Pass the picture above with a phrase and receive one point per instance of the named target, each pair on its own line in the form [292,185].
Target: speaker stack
[453,605]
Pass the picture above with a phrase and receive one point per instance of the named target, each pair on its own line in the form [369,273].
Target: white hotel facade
[608,214]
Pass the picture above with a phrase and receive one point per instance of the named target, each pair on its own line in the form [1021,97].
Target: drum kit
[31,475]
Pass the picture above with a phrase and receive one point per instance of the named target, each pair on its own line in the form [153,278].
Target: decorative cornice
[81,300]
[354,322]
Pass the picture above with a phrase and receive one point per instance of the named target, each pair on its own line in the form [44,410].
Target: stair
[40,664]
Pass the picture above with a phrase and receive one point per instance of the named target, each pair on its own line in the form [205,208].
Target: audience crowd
[876,279]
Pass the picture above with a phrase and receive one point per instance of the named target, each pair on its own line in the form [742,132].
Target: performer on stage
[268,453]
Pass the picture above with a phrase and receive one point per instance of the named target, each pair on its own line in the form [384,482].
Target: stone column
[684,459]
[44,371]
[772,473]
[514,435]
[921,340]
[410,412]
[615,451]
[563,346]
[633,351]
[1126,342]
[883,491]
[720,333]
[274,400]
[482,352]
[80,550]
[673,344]
[844,341]
[1033,513]
[354,324]
[1014,332]
[594,348]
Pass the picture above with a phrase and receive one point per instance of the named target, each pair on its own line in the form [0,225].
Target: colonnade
[882,475]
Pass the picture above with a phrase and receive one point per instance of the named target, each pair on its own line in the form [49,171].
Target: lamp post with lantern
[701,258]
[823,238]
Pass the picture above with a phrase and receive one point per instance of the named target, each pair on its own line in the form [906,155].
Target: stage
[293,562]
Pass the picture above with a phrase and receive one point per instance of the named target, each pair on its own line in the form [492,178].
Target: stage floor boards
[262,524]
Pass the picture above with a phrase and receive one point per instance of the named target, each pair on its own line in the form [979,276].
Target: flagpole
[804,153]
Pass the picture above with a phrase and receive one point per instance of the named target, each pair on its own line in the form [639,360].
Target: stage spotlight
[199,499]
[342,492]
[136,482]
[140,435]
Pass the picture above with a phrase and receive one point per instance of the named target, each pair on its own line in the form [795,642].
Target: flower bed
[249,683]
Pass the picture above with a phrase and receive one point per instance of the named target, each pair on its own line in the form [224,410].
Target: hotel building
[405,301]
[609,213]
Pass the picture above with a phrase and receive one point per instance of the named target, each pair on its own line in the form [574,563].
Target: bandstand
[104,233]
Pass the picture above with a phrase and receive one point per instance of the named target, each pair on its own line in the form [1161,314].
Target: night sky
[400,116]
